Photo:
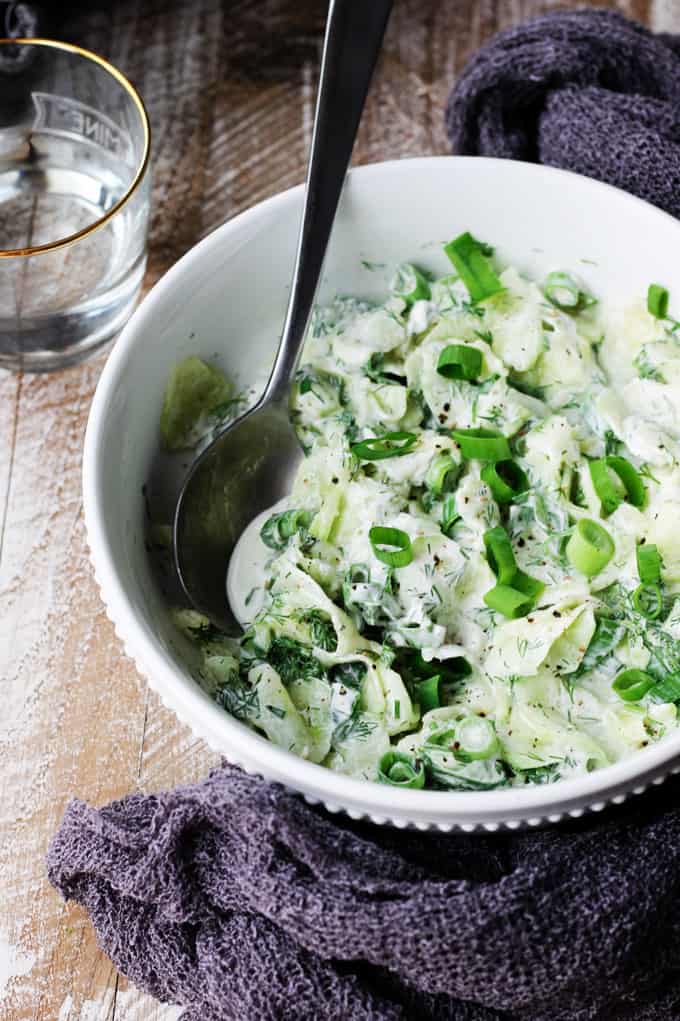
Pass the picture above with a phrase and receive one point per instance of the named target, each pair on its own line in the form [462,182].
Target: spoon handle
[354,33]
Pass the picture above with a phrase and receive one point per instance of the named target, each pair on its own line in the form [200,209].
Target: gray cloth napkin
[585,90]
[238,900]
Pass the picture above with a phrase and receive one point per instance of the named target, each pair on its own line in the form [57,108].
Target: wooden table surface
[230,90]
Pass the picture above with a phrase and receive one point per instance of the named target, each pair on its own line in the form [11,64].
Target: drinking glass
[74,202]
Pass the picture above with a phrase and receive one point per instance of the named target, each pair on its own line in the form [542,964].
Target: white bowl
[225,301]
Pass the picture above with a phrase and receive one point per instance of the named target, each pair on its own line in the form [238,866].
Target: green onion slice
[516,592]
[632,685]
[401,770]
[377,448]
[415,668]
[482,444]
[475,738]
[631,479]
[648,563]
[410,283]
[470,257]
[449,514]
[427,693]
[527,585]
[606,488]
[443,738]
[590,547]
[657,301]
[505,479]
[279,528]
[391,545]
[458,361]
[500,555]
[441,474]
[509,601]
[667,690]
[562,290]
[648,601]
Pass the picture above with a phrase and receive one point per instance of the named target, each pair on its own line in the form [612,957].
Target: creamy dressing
[247,572]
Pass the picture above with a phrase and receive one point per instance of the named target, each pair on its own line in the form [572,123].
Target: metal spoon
[251,464]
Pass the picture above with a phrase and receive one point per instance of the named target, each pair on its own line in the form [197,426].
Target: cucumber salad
[475,581]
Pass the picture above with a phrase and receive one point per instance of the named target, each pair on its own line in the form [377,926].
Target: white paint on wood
[14,963]
[129,1004]
[665,16]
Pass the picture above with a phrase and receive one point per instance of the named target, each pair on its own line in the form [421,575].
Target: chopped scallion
[458,361]
[608,491]
[666,690]
[449,514]
[475,738]
[401,770]
[657,301]
[391,545]
[470,257]
[427,693]
[509,601]
[562,290]
[648,563]
[527,585]
[516,592]
[482,444]
[500,555]
[505,479]
[647,600]
[410,283]
[377,448]
[279,528]
[441,474]
[632,685]
[605,487]
[590,547]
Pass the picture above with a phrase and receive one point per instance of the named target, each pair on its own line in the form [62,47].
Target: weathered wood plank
[170,753]
[65,729]
[664,15]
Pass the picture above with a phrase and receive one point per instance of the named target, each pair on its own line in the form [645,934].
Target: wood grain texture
[230,89]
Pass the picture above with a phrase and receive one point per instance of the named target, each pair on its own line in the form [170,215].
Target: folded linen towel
[585,90]
[238,900]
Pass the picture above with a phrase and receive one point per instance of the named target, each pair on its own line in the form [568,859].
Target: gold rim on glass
[6,253]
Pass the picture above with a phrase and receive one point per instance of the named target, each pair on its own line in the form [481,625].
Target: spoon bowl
[246,469]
